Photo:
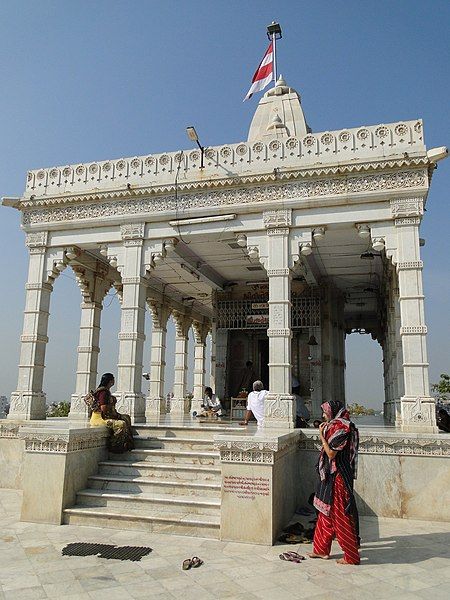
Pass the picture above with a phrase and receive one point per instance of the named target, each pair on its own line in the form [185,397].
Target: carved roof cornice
[278,176]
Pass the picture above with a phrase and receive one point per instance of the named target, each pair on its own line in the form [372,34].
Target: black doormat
[106,551]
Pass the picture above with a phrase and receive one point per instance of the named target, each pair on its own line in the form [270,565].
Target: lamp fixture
[319,233]
[274,29]
[306,249]
[193,136]
[241,240]
[378,244]
[363,231]
[253,252]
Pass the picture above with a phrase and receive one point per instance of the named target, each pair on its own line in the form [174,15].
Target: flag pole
[274,34]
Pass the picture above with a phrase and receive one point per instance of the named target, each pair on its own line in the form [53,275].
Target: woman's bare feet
[314,555]
[342,561]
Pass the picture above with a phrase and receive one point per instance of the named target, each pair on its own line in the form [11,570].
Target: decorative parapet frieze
[337,152]
[406,207]
[62,442]
[96,207]
[255,450]
[393,444]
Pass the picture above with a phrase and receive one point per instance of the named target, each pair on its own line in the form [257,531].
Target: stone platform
[210,479]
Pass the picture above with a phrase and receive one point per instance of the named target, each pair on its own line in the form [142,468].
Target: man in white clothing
[212,403]
[255,404]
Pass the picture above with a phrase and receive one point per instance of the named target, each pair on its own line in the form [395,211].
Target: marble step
[152,486]
[149,503]
[198,526]
[183,472]
[174,443]
[189,430]
[156,455]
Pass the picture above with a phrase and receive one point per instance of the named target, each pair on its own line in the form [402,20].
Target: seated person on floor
[212,404]
[255,404]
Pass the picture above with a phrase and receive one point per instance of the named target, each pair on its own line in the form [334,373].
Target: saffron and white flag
[263,75]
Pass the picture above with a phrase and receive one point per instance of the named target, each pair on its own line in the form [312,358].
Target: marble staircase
[170,483]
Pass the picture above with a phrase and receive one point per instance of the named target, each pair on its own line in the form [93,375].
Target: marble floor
[401,560]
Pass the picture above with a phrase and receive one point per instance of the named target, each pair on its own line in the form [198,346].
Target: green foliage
[59,410]
[442,389]
[358,410]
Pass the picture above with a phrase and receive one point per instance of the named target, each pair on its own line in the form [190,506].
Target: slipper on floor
[196,562]
[187,564]
[292,557]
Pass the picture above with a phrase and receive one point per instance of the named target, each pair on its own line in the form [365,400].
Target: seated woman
[121,438]
[255,404]
[212,403]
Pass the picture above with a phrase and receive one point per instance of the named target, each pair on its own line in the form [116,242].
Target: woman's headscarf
[338,431]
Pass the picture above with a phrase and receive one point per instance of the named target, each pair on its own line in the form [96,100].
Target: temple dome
[279,114]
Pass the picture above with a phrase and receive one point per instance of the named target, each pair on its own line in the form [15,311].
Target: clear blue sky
[97,79]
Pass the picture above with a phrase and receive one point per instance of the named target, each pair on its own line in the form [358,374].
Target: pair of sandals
[192,563]
[294,557]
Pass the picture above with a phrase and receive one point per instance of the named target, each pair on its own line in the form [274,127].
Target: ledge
[388,442]
[260,447]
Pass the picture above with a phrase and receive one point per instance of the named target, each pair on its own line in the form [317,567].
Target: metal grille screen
[248,314]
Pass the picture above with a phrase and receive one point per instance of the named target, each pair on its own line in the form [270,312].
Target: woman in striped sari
[334,497]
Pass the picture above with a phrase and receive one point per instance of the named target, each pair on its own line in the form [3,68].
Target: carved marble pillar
[200,334]
[388,338]
[213,375]
[417,407]
[155,404]
[179,403]
[94,287]
[28,401]
[327,347]
[279,405]
[130,399]
[221,349]
[398,366]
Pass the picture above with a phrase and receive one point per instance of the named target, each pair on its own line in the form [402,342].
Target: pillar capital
[201,331]
[160,313]
[182,323]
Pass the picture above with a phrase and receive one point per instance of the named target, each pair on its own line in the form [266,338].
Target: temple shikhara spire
[267,253]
